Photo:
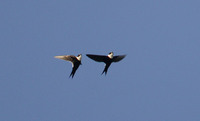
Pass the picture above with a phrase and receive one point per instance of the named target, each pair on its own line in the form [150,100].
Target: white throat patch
[110,55]
[79,57]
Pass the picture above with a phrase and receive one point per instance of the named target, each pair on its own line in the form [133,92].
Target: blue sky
[157,81]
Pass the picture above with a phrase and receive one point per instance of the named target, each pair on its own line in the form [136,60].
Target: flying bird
[106,59]
[75,60]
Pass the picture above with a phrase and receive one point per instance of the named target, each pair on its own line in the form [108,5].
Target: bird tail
[104,71]
[72,73]
[106,68]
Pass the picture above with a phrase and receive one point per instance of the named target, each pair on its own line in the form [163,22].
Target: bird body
[75,60]
[106,59]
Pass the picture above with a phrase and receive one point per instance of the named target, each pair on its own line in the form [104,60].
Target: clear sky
[157,81]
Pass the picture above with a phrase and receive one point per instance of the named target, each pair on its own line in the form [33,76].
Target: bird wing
[98,58]
[67,57]
[70,58]
[118,58]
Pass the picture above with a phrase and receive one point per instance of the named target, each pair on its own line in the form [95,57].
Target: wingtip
[123,56]
[59,57]
[87,55]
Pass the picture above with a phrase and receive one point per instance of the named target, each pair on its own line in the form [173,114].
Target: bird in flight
[106,59]
[75,60]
